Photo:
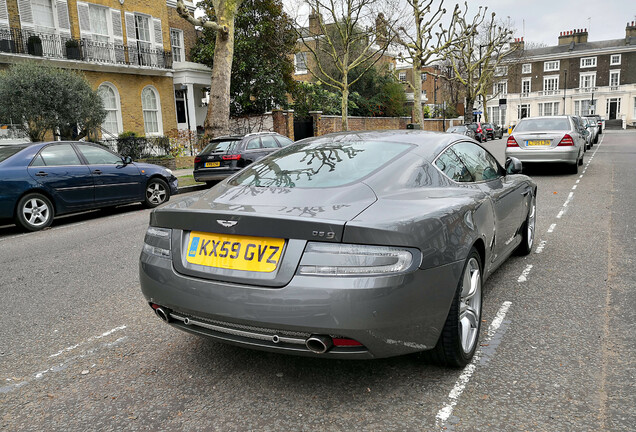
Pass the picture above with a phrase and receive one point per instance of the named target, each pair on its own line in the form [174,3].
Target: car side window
[481,164]
[96,156]
[253,144]
[449,164]
[268,142]
[283,141]
[59,155]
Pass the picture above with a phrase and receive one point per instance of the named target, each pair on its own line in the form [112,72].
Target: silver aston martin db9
[351,245]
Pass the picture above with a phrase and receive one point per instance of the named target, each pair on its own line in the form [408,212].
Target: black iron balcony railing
[18,41]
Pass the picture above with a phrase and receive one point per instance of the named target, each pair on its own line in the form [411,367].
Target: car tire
[460,336]
[34,212]
[528,229]
[156,193]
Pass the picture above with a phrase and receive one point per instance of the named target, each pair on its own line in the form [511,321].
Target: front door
[59,170]
[114,181]
[180,100]
[613,108]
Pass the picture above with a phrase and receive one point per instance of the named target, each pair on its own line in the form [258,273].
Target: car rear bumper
[549,155]
[202,175]
[388,315]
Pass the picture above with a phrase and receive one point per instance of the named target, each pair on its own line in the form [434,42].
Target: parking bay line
[453,397]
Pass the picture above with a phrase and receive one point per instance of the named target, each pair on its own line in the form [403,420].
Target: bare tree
[217,121]
[346,40]
[422,46]
[475,57]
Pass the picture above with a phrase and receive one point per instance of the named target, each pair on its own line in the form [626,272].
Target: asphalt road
[81,350]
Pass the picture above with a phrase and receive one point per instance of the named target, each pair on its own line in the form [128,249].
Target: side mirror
[513,166]
[127,160]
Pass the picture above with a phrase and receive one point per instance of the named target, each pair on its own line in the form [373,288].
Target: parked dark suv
[224,156]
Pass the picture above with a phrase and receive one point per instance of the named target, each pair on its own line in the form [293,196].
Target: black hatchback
[224,156]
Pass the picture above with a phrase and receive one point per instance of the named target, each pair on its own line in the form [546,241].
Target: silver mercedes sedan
[352,245]
[548,139]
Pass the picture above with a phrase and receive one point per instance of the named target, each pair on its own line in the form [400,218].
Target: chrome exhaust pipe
[319,344]
[163,314]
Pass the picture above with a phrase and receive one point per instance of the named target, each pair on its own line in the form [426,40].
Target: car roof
[429,143]
[240,137]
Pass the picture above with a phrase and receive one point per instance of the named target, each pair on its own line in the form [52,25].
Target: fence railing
[18,41]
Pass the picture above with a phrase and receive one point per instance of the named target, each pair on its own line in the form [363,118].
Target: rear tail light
[232,157]
[197,159]
[567,141]
[512,142]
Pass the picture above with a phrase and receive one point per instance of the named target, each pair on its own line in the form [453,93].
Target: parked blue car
[43,180]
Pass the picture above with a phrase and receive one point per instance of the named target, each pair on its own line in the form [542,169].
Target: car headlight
[169,171]
[157,242]
[331,259]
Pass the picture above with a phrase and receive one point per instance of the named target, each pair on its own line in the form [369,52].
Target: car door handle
[42,174]
[525,193]
[97,172]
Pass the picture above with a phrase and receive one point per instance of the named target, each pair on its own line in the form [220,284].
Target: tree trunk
[345,109]
[468,110]
[483,102]
[217,121]
[418,115]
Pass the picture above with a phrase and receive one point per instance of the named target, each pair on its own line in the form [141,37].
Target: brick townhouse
[135,52]
[573,77]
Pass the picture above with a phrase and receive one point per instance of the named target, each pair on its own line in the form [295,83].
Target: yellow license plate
[539,143]
[257,254]
[212,164]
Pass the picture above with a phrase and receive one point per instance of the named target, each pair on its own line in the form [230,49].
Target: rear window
[7,151]
[547,124]
[472,126]
[220,146]
[314,165]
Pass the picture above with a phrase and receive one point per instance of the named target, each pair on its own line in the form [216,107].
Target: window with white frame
[587,62]
[549,109]
[523,111]
[402,76]
[500,88]
[608,104]
[615,59]
[615,78]
[110,99]
[152,114]
[526,68]
[424,95]
[300,63]
[501,71]
[42,11]
[99,23]
[497,115]
[424,75]
[583,107]
[551,65]
[176,40]
[525,86]
[587,80]
[551,84]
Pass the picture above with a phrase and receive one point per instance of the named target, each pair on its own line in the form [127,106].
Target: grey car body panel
[408,203]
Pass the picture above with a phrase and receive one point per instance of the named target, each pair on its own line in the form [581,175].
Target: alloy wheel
[156,193]
[36,212]
[470,306]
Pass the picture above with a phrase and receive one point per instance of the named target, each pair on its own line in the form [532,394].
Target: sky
[541,21]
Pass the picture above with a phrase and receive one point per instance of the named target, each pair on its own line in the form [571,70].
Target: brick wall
[129,88]
[324,124]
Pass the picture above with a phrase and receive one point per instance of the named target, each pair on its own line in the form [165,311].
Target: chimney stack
[630,30]
[576,36]
[517,45]
[314,24]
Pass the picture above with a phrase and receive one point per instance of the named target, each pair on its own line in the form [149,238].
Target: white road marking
[524,275]
[552,227]
[560,214]
[92,338]
[581,176]
[59,367]
[574,187]
[578,181]
[541,246]
[453,397]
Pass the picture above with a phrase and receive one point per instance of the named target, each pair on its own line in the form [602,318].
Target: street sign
[502,102]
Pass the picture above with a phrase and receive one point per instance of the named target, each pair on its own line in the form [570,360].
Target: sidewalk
[186,181]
